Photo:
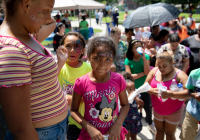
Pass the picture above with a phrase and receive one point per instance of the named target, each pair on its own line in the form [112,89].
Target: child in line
[73,69]
[121,49]
[138,66]
[100,90]
[161,38]
[58,36]
[133,120]
[192,116]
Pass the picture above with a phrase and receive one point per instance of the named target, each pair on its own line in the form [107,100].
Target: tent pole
[90,17]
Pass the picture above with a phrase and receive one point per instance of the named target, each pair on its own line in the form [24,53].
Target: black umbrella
[151,15]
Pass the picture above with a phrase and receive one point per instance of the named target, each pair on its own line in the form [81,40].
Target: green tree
[182,2]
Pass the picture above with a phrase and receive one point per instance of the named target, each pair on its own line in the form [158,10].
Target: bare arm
[16,106]
[178,23]
[149,78]
[46,30]
[146,65]
[186,64]
[114,131]
[92,131]
[124,107]
[135,76]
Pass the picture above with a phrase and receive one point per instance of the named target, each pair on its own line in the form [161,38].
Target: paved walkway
[145,133]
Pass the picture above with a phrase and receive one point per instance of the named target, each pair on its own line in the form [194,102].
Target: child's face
[38,13]
[134,49]
[101,60]
[116,36]
[129,34]
[156,30]
[166,37]
[74,48]
[62,29]
[130,87]
[151,42]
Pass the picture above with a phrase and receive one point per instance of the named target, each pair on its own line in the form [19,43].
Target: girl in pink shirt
[100,90]
[167,114]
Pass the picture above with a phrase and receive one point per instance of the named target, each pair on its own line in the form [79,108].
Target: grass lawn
[97,31]
[44,43]
[121,17]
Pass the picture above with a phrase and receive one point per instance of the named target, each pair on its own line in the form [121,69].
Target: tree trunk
[189,6]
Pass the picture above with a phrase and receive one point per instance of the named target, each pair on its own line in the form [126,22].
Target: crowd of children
[42,98]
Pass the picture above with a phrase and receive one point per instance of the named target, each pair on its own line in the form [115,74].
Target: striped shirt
[20,65]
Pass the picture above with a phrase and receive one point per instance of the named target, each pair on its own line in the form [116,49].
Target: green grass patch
[45,43]
[97,31]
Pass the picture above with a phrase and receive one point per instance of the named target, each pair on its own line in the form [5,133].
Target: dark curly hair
[129,53]
[127,76]
[77,35]
[101,41]
[10,6]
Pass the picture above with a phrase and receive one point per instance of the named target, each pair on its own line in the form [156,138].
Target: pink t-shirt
[168,107]
[159,45]
[101,102]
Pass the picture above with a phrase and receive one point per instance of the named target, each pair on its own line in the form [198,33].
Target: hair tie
[133,41]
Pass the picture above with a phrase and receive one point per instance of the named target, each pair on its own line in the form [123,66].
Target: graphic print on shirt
[67,88]
[106,109]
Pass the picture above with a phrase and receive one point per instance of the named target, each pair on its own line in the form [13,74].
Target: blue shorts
[54,132]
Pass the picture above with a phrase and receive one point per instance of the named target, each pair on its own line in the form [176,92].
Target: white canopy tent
[77,4]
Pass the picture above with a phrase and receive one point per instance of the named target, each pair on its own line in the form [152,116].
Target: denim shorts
[54,132]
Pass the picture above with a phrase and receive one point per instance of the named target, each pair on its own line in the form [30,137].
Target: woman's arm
[92,131]
[16,106]
[150,76]
[135,76]
[178,23]
[46,30]
[146,65]
[186,64]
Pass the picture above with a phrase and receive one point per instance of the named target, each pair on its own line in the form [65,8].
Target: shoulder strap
[176,74]
[156,72]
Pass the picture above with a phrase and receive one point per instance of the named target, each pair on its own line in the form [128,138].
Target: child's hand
[62,54]
[94,133]
[139,102]
[197,97]
[114,132]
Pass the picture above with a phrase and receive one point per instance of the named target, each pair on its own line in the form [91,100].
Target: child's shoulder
[116,76]
[86,64]
[83,78]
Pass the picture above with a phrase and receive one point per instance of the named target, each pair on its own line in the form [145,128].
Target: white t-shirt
[100,15]
[189,21]
[66,19]
[138,34]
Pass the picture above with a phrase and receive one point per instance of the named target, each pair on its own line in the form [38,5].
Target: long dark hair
[161,34]
[129,53]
